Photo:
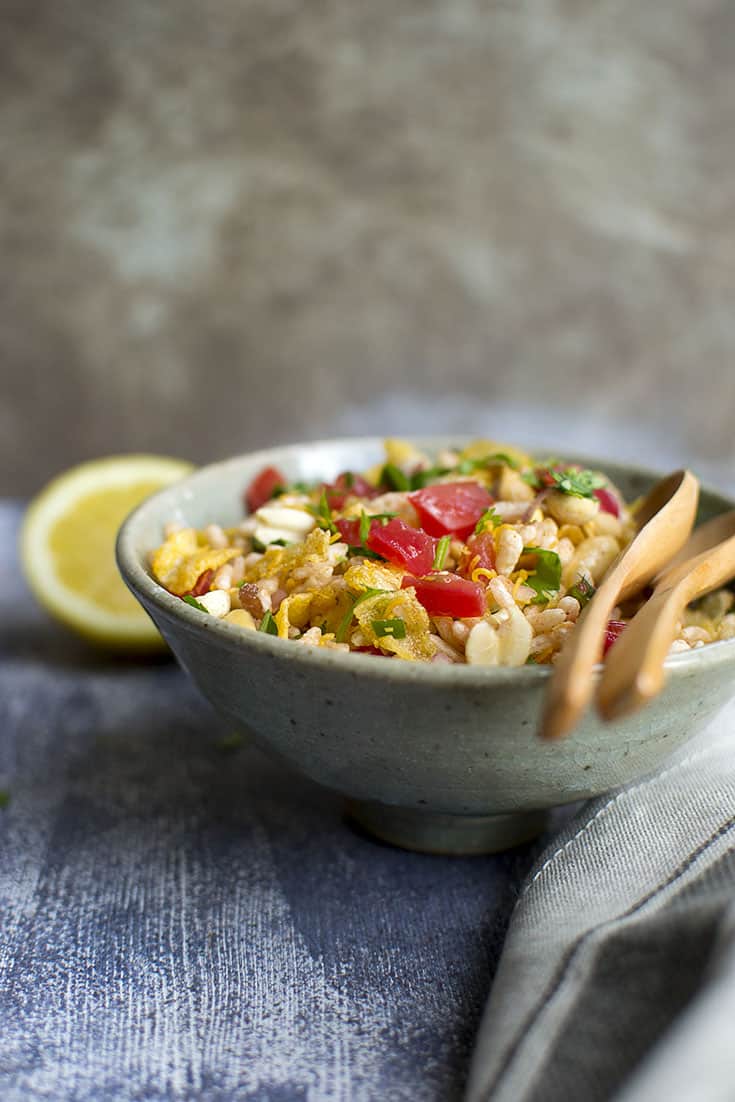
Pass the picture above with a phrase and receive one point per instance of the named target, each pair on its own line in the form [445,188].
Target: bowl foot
[450,835]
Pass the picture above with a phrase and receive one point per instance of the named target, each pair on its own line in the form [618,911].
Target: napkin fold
[617,978]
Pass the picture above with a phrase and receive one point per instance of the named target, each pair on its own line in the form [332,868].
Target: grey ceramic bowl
[443,759]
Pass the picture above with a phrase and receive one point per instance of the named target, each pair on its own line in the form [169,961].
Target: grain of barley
[549,619]
[215,536]
[509,548]
[571,607]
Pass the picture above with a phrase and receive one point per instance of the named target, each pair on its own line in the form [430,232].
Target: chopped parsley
[442,550]
[489,518]
[395,629]
[546,577]
[189,600]
[583,590]
[268,625]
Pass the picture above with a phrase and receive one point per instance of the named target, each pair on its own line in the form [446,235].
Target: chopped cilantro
[258,546]
[442,550]
[578,483]
[546,577]
[569,480]
[489,517]
[583,590]
[278,490]
[394,477]
[268,624]
[189,600]
[396,628]
[279,543]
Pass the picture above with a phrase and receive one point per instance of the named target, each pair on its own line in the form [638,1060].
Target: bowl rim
[138,579]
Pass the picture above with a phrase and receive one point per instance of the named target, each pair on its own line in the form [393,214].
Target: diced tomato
[480,552]
[608,501]
[451,507]
[347,485]
[404,546]
[448,595]
[263,486]
[613,631]
[202,584]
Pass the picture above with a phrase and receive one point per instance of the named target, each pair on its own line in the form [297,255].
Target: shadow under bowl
[441,759]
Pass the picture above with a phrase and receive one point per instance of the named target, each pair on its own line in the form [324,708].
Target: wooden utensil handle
[571,686]
[634,671]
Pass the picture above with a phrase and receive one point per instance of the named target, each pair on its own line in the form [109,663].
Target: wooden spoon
[665,519]
[634,668]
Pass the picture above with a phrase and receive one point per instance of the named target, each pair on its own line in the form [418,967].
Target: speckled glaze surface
[442,759]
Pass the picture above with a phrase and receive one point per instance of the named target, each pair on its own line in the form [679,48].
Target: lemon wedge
[68,547]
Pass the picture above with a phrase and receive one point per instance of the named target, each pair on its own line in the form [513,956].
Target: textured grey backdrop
[228,224]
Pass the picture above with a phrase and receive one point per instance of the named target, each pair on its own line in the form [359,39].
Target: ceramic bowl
[437,758]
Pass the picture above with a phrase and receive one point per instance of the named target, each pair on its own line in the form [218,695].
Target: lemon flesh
[68,547]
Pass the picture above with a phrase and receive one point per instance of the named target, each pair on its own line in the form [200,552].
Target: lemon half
[68,547]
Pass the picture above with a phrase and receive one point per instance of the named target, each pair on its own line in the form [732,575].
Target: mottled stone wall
[225,224]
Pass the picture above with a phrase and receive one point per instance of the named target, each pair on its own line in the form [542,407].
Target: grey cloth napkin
[617,979]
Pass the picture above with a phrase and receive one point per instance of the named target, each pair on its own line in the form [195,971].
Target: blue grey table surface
[181,918]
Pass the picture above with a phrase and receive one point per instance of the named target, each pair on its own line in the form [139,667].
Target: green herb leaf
[189,600]
[280,543]
[419,479]
[323,514]
[469,466]
[442,550]
[546,578]
[395,478]
[578,483]
[258,546]
[341,632]
[298,488]
[268,624]
[488,518]
[395,629]
[583,590]
[364,526]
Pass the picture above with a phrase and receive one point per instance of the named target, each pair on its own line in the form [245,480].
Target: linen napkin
[617,978]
